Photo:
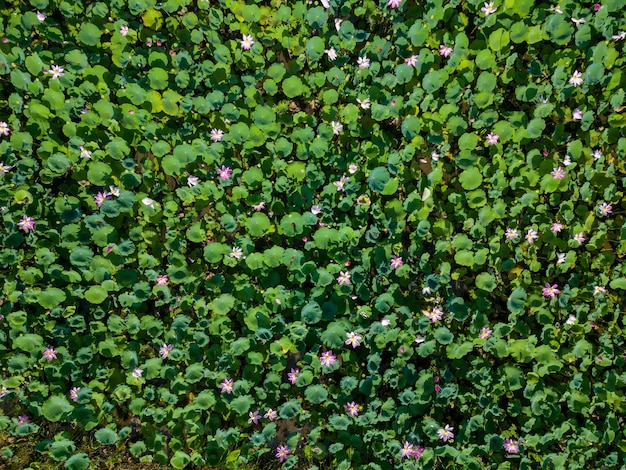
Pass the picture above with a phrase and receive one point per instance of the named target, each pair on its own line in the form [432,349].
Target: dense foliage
[352,234]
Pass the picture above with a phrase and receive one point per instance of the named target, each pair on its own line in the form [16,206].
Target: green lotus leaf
[21,81]
[99,173]
[470,178]
[338,423]
[499,39]
[559,29]
[535,128]
[292,224]
[517,300]
[77,462]
[293,87]
[222,304]
[205,400]
[51,297]
[158,78]
[196,233]
[180,460]
[56,408]
[378,178]
[96,294]
[486,282]
[316,17]
[59,164]
[29,342]
[89,34]
[258,224]
[486,82]
[315,48]
[106,436]
[443,335]
[62,449]
[418,33]
[434,80]
[311,313]
[241,404]
[315,394]
[81,256]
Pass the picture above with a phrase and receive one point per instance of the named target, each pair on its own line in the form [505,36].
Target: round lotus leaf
[264,116]
[486,82]
[158,78]
[411,127]
[486,282]
[89,34]
[517,300]
[468,141]
[172,166]
[258,224]
[499,39]
[315,48]
[96,294]
[559,29]
[315,394]
[61,449]
[434,80]
[98,173]
[59,164]
[485,60]
[535,128]
[316,17]
[180,460]
[77,462]
[161,148]
[418,34]
[196,234]
[443,335]
[311,313]
[293,87]
[292,224]
[378,178]
[118,149]
[404,73]
[55,408]
[29,342]
[470,179]
[51,297]
[106,436]
[81,256]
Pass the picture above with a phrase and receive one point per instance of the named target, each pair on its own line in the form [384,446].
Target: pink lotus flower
[580,238]
[74,394]
[354,339]
[411,61]
[254,417]
[4,128]
[605,209]
[394,3]
[576,78]
[247,42]
[162,280]
[225,172]
[137,373]
[23,419]
[485,332]
[271,414]
[57,71]
[26,224]
[558,173]
[343,278]
[342,183]
[293,376]
[511,234]
[488,9]
[551,290]
[217,135]
[396,262]
[434,315]
[556,227]
[363,62]
[445,51]
[578,115]
[50,354]
[327,358]
[124,30]
[352,408]
[531,236]
[492,139]
[511,446]
[282,453]
[5,168]
[165,350]
[100,198]
[446,433]
[227,386]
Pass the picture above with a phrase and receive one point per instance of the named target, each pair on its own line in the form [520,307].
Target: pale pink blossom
[531,236]
[394,3]
[227,386]
[4,128]
[485,332]
[124,30]
[605,209]
[50,354]
[597,290]
[492,138]
[293,376]
[137,372]
[446,433]
[550,290]
[162,280]
[331,53]
[271,414]
[511,234]
[445,51]
[434,315]
[5,168]
[247,42]
[396,262]
[576,78]
[100,198]
[577,115]
[488,9]
[217,135]
[558,173]
[363,62]
[341,183]
[57,71]
[327,358]
[511,446]
[556,227]
[352,408]
[343,278]
[74,393]
[26,224]
[580,238]
[337,127]
[225,172]
[411,61]
[41,16]
[254,417]
[165,350]
[354,339]
[259,207]
[282,453]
